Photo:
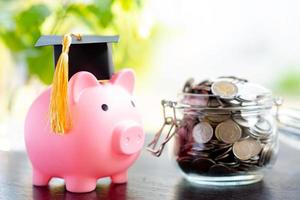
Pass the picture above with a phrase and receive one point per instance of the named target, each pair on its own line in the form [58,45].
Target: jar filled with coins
[223,131]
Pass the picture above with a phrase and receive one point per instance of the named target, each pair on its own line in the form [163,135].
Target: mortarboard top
[92,53]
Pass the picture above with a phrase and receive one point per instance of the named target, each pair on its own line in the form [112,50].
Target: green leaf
[102,13]
[32,18]
[29,21]
[93,14]
[82,12]
[40,63]
[12,41]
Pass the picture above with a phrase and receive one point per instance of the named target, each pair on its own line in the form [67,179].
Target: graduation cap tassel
[59,106]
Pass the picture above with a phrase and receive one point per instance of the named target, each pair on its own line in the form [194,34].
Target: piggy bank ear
[79,82]
[125,78]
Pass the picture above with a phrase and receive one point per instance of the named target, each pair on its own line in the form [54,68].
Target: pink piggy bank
[105,139]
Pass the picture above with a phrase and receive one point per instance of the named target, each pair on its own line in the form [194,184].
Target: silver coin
[221,157]
[219,144]
[250,91]
[246,133]
[241,121]
[228,132]
[233,102]
[263,125]
[256,147]
[242,150]
[267,154]
[224,89]
[202,132]
[233,79]
[224,154]
[246,149]
[263,129]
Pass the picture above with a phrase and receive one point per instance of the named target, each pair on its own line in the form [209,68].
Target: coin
[213,103]
[244,120]
[222,156]
[266,154]
[242,150]
[250,91]
[232,102]
[218,117]
[224,89]
[198,154]
[230,164]
[196,100]
[202,132]
[256,147]
[218,134]
[202,147]
[241,121]
[263,129]
[188,85]
[263,125]
[246,149]
[202,165]
[201,88]
[219,143]
[185,163]
[228,132]
[233,79]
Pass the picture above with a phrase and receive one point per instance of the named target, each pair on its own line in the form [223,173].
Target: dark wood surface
[152,178]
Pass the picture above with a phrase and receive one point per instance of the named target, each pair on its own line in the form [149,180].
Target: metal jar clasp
[169,121]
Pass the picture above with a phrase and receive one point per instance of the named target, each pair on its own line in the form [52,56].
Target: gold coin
[228,132]
[224,89]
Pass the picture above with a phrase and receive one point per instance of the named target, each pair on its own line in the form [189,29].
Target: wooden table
[152,178]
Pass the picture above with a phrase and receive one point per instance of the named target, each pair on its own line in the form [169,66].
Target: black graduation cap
[91,53]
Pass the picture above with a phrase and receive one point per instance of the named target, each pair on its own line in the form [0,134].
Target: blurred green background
[21,26]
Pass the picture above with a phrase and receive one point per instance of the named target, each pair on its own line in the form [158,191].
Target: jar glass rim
[265,101]
[263,95]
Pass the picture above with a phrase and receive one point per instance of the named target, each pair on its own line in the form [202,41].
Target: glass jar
[231,144]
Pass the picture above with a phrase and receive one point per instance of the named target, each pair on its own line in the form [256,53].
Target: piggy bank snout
[129,137]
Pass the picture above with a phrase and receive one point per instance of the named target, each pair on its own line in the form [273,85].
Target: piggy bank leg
[80,184]
[120,177]
[40,179]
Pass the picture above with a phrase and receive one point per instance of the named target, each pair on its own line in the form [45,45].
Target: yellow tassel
[60,118]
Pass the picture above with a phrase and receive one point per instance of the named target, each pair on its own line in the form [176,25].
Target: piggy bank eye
[132,103]
[104,107]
